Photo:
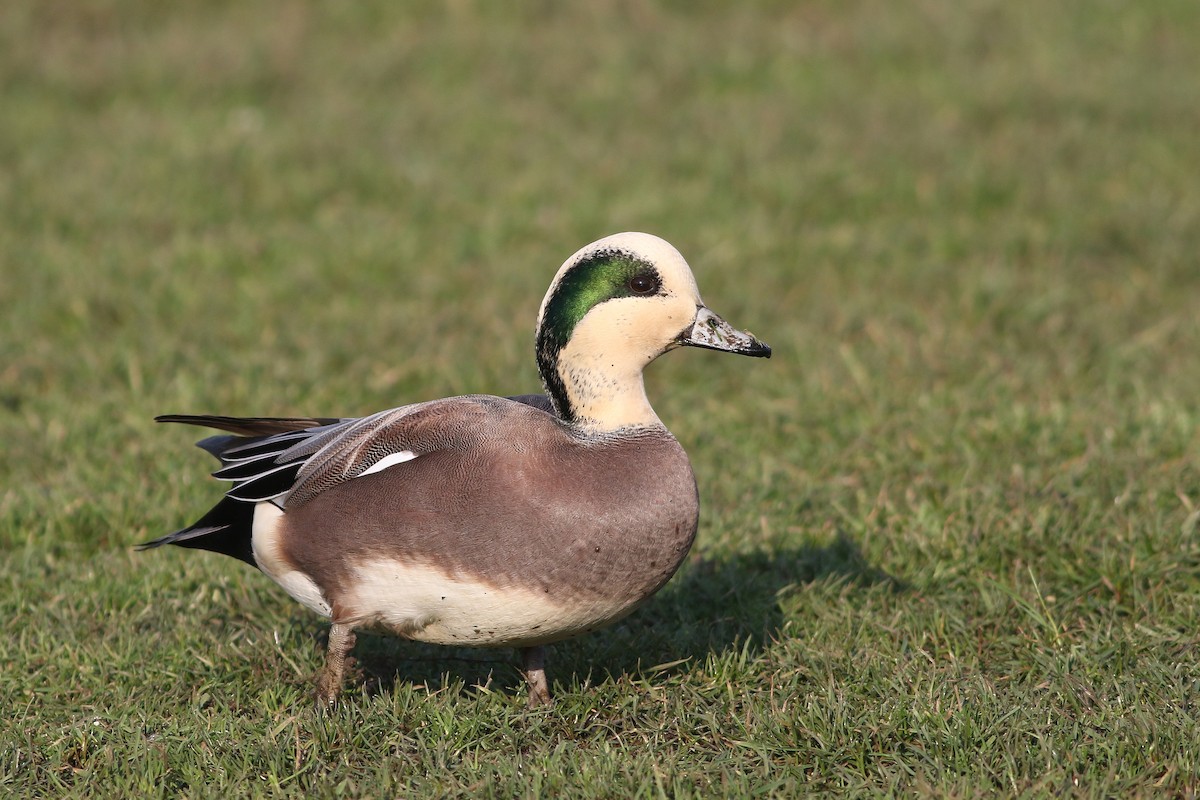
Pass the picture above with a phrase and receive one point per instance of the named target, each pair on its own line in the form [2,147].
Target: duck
[480,520]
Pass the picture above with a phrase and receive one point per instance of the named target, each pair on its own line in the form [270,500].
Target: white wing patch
[390,460]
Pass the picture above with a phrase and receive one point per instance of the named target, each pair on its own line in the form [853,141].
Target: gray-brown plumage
[483,520]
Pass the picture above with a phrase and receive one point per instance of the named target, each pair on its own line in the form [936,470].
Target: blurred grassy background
[949,531]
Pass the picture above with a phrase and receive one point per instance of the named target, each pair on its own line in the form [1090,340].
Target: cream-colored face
[614,307]
[639,327]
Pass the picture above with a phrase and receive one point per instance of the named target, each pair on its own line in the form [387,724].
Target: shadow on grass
[710,607]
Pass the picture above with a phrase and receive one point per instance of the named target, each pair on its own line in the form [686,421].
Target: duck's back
[519,531]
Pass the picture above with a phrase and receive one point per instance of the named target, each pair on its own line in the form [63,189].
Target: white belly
[424,603]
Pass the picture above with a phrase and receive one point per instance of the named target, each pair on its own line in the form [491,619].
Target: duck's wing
[291,460]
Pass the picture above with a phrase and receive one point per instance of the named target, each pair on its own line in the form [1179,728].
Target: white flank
[424,603]
[389,460]
[265,544]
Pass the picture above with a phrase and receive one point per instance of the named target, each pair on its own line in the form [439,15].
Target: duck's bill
[712,332]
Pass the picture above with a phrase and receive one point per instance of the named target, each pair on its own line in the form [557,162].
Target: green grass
[949,532]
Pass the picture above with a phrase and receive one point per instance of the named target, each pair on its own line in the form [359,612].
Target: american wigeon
[481,520]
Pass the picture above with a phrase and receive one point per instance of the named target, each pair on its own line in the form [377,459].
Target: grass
[949,535]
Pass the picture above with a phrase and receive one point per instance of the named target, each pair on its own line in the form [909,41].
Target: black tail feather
[249,426]
[227,528]
[216,445]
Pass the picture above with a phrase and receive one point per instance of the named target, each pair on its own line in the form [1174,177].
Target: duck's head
[614,306]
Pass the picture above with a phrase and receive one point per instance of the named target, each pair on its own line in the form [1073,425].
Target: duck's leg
[329,683]
[534,663]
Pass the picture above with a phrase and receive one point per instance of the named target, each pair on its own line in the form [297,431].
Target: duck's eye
[642,284]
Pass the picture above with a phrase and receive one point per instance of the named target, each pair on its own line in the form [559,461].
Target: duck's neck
[594,391]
